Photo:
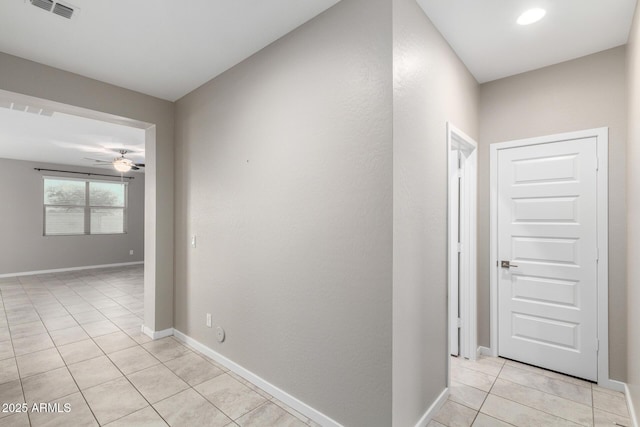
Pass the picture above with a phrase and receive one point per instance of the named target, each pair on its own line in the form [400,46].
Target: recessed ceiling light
[531,16]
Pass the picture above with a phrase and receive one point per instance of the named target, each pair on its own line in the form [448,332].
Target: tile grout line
[67,366]
[546,392]
[267,400]
[593,409]
[534,369]
[34,307]
[37,291]
[489,393]
[4,307]
[92,338]
[14,349]
[520,403]
[540,391]
[219,409]
[121,372]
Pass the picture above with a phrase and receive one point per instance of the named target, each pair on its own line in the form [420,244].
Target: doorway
[150,264]
[462,173]
[549,252]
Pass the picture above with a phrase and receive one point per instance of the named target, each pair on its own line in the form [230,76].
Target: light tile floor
[74,339]
[494,392]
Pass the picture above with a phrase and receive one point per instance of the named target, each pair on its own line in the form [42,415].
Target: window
[73,206]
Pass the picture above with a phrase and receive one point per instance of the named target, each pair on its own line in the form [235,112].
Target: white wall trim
[61,270]
[156,335]
[612,385]
[602,138]
[632,410]
[459,142]
[433,409]
[282,395]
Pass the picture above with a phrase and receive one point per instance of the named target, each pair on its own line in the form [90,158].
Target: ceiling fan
[121,164]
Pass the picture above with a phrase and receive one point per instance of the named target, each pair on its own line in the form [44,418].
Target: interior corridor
[75,338]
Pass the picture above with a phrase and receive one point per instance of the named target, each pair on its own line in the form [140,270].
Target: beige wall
[30,78]
[431,87]
[633,213]
[24,247]
[585,93]
[284,173]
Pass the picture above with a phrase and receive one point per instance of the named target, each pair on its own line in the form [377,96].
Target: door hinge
[597,254]
[459,247]
[459,322]
[597,345]
[597,163]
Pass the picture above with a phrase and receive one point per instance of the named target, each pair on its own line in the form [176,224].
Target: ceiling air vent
[61,9]
[43,4]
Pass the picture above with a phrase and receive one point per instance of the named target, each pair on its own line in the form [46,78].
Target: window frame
[87,207]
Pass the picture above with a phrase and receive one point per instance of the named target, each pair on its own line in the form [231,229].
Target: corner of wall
[633,213]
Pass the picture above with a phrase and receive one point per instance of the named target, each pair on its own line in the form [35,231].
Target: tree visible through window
[74,206]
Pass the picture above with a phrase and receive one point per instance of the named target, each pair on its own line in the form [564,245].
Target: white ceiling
[487,39]
[159,47]
[164,48]
[168,48]
[66,139]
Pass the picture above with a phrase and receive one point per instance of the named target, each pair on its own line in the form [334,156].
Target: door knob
[507,264]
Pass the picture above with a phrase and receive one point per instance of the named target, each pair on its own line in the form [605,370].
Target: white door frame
[602,206]
[460,144]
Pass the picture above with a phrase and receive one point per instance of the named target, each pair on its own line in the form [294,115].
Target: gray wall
[633,213]
[25,249]
[284,172]
[431,87]
[585,93]
[30,78]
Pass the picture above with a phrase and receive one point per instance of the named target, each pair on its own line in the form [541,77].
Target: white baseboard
[433,409]
[632,411]
[156,335]
[612,385]
[484,351]
[62,270]
[276,392]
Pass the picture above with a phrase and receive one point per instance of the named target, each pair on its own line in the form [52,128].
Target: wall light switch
[131,252]
[209,320]
[193,241]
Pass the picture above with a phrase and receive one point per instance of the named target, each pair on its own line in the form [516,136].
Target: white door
[547,255]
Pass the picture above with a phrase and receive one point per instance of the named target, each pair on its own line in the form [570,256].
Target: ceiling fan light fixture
[532,15]
[122,165]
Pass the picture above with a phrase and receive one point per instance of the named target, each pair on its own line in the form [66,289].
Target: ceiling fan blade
[135,168]
[98,160]
[140,165]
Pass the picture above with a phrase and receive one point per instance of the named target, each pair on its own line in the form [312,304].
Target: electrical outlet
[131,252]
[193,241]
[208,320]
